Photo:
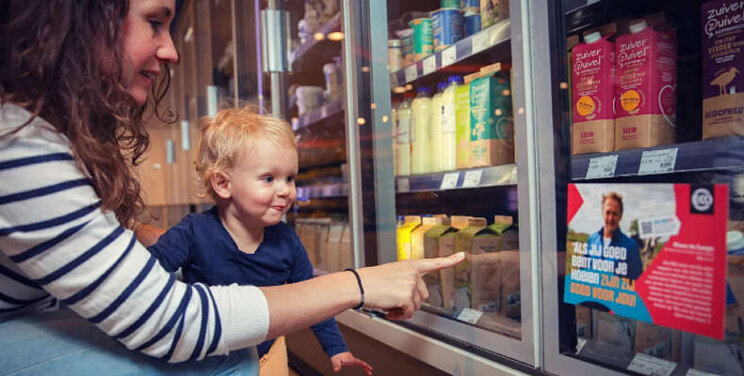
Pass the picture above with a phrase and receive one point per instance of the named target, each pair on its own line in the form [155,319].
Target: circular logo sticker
[630,100]
[585,106]
[702,199]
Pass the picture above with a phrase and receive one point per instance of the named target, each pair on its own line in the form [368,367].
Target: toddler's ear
[221,185]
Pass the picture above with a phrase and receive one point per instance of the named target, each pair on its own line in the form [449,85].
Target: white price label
[449,180]
[657,161]
[694,372]
[480,42]
[469,315]
[449,56]
[404,185]
[651,366]
[602,167]
[472,178]
[430,64]
[411,72]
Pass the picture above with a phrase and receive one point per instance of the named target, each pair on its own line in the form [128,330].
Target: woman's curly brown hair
[61,60]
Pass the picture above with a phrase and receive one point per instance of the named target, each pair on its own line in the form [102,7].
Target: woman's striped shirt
[57,244]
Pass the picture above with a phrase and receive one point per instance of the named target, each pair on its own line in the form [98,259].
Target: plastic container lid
[394,43]
[455,79]
[423,89]
[638,27]
[734,241]
[592,37]
[441,86]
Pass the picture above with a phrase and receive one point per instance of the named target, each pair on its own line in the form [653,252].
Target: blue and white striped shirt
[57,243]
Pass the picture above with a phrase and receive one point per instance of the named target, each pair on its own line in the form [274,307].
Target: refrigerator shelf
[458,179]
[706,155]
[483,40]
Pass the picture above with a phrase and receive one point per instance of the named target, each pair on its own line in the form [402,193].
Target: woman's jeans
[62,343]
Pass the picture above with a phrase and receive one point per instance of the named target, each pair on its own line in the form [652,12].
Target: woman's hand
[397,287]
[347,359]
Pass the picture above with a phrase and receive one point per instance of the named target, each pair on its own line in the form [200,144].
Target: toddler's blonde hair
[232,129]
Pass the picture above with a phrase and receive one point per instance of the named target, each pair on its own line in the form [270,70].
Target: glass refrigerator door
[302,49]
[444,162]
[642,219]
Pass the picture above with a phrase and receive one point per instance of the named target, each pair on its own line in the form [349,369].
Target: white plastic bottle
[419,136]
[402,144]
[435,129]
[448,153]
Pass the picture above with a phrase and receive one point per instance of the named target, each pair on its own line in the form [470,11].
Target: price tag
[430,64]
[602,167]
[469,315]
[449,180]
[404,185]
[657,161]
[694,372]
[411,72]
[480,42]
[651,366]
[449,56]
[472,178]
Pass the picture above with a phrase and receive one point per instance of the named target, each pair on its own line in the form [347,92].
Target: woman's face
[147,44]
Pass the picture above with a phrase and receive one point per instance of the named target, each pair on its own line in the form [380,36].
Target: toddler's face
[263,183]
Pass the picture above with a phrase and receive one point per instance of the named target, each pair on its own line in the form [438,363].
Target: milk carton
[491,122]
[439,241]
[465,241]
[723,67]
[646,61]
[593,94]
[417,235]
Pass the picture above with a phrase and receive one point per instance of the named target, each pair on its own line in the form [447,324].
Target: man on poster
[610,240]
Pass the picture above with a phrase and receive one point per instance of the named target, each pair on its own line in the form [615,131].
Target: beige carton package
[332,256]
[439,241]
[417,235]
[495,269]
[464,242]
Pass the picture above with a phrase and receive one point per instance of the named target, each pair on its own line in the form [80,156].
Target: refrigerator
[584,154]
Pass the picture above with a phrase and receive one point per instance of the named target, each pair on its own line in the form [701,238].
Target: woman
[75,77]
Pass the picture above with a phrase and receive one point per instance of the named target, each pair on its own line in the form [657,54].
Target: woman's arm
[395,288]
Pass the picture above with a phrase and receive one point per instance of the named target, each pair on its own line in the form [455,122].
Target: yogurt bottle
[448,150]
[421,107]
[435,129]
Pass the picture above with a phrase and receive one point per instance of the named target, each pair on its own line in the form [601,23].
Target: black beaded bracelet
[359,281]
